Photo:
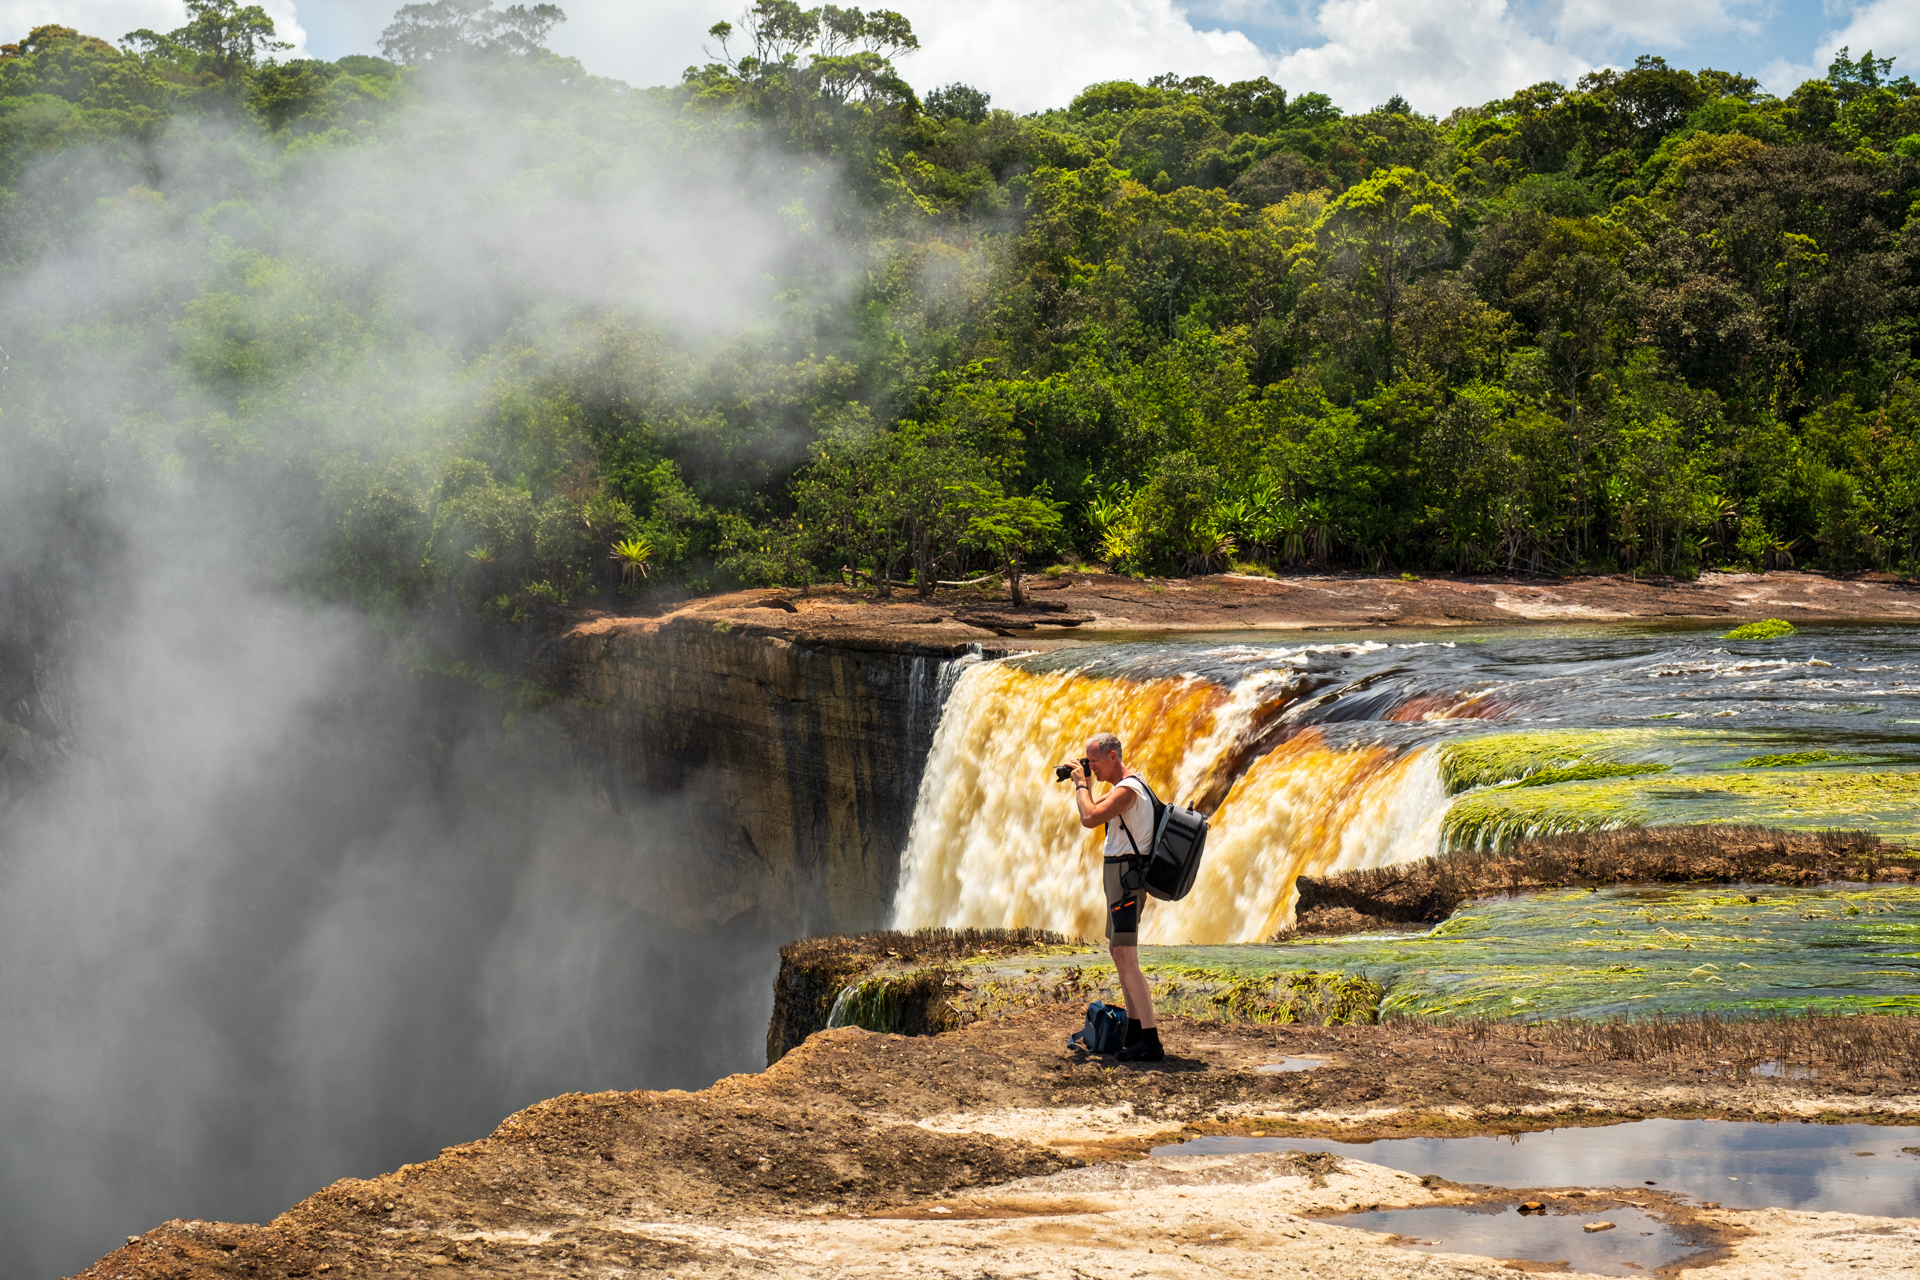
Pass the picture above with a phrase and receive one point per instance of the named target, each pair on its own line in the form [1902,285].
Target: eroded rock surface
[1101,604]
[993,1150]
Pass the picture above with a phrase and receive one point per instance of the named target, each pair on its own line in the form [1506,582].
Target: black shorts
[1123,903]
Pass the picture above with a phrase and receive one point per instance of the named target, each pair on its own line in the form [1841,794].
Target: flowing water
[1351,753]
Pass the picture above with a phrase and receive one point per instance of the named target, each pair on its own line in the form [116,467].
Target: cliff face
[787,769]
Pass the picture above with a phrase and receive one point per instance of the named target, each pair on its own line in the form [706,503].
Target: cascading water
[994,844]
[1333,757]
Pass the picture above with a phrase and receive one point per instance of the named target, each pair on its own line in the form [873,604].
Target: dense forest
[1657,320]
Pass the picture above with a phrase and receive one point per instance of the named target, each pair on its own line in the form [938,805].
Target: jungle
[1653,321]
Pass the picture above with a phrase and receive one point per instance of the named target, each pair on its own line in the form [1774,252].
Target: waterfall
[995,840]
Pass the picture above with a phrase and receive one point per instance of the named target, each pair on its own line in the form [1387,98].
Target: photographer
[1127,812]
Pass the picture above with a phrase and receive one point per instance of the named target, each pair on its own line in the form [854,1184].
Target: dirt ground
[1093,603]
[994,1150]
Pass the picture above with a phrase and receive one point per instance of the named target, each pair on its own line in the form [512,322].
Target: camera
[1062,772]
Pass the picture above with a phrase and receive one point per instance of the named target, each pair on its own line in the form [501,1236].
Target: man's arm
[1106,808]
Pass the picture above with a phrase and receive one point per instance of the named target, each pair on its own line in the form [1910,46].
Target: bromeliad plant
[632,554]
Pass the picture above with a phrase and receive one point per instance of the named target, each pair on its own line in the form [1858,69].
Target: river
[1344,752]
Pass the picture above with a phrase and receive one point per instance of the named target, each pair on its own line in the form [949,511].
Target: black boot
[1133,1033]
[1148,1050]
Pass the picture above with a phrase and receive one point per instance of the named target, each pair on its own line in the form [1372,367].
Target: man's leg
[1126,962]
[1133,985]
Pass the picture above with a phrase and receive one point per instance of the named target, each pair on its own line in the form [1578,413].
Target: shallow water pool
[1634,1245]
[1852,1168]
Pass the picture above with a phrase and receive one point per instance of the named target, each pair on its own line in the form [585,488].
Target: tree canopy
[1654,320]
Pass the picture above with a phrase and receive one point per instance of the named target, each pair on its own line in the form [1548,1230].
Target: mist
[279,904]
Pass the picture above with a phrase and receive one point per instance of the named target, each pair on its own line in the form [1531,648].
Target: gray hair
[1105,741]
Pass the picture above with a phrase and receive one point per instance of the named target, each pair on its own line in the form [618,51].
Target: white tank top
[1139,819]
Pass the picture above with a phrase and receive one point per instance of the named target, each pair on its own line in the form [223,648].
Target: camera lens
[1061,772]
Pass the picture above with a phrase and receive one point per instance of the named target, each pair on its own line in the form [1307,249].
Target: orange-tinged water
[996,840]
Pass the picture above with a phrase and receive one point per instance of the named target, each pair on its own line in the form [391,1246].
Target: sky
[1033,54]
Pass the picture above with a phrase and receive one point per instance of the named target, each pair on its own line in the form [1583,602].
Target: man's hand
[1094,812]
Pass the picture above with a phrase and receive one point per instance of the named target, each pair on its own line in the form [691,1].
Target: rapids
[1347,754]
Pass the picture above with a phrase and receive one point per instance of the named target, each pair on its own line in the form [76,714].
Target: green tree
[1009,527]
[1375,240]
[221,38]
[443,29]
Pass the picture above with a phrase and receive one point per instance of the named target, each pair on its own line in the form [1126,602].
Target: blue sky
[1036,53]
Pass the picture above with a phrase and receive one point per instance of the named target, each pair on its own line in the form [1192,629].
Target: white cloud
[112,19]
[1889,28]
[1667,23]
[108,19]
[1030,56]
[1438,55]
[644,43]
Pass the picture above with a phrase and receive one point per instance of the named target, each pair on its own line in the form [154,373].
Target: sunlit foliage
[1656,320]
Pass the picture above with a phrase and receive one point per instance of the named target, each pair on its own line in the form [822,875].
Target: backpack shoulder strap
[1158,803]
[1158,809]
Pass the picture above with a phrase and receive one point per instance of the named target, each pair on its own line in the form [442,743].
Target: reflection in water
[1635,1245]
[1786,1070]
[1322,758]
[1854,1168]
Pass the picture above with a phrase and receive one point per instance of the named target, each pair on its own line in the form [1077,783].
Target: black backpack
[1173,859]
[1105,1032]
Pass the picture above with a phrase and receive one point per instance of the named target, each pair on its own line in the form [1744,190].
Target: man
[1127,811]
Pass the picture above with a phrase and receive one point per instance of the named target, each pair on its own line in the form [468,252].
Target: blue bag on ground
[1105,1032]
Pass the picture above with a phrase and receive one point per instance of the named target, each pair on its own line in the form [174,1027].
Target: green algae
[1585,773]
[1790,758]
[1497,817]
[1887,803]
[1769,629]
[1599,953]
[1334,998]
[1520,785]
[1583,954]
[1568,754]
[913,1003]
[1203,992]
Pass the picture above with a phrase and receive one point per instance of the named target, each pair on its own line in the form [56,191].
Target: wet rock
[1597,1226]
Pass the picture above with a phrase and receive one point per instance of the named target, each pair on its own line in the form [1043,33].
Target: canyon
[788,731]
[783,738]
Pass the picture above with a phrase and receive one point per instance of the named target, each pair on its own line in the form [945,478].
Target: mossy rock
[1497,817]
[929,1001]
[814,971]
[1542,757]
[1769,629]
[1789,798]
[907,1004]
